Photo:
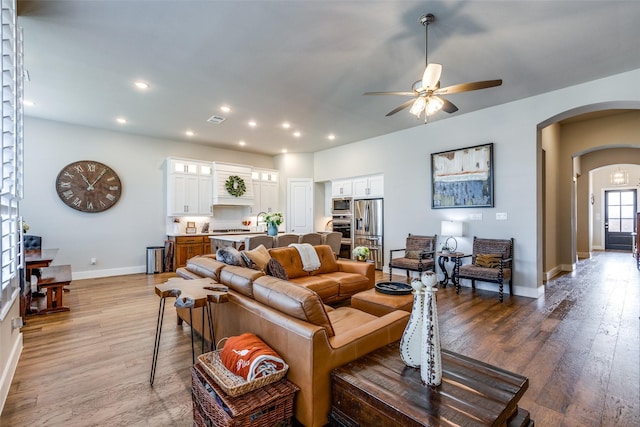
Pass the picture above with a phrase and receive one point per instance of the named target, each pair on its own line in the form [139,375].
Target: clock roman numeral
[65,184]
[68,194]
[68,175]
[113,188]
[78,168]
[111,178]
[77,202]
[102,204]
[89,205]
[91,167]
[111,197]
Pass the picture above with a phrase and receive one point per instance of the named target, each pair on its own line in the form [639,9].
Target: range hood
[236,175]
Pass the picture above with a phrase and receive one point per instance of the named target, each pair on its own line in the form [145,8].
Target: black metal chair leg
[193,352]
[156,346]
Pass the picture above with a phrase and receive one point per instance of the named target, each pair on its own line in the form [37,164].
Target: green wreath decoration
[235,186]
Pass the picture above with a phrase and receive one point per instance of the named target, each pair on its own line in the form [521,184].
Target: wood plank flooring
[579,345]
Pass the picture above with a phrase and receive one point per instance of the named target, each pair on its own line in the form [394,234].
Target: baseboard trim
[9,371]
[94,274]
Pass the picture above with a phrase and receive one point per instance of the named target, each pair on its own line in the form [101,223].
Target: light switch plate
[501,216]
[475,217]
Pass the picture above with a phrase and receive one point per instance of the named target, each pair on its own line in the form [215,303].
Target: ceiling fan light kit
[427,90]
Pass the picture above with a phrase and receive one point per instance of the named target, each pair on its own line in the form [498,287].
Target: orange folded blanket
[248,356]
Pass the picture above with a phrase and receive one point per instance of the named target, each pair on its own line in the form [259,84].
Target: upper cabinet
[189,187]
[266,190]
[232,184]
[361,187]
[341,188]
[368,186]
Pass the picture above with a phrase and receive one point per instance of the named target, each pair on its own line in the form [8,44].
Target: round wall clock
[88,186]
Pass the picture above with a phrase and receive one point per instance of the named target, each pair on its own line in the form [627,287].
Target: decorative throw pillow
[259,256]
[488,260]
[275,269]
[230,255]
[413,254]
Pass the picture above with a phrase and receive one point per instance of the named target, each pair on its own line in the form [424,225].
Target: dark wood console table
[379,390]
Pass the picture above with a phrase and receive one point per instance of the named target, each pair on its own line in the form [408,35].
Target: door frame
[605,216]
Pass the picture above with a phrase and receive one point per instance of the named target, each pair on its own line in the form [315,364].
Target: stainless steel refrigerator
[367,225]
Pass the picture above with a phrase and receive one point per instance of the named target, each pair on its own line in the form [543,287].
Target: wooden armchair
[418,255]
[491,261]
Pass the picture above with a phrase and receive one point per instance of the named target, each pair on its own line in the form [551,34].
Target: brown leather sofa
[312,337]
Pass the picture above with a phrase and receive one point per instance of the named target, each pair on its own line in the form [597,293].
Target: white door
[299,205]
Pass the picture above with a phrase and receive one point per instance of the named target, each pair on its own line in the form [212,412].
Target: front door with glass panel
[619,214]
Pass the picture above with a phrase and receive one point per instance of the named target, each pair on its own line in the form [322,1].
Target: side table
[443,258]
[53,279]
[194,293]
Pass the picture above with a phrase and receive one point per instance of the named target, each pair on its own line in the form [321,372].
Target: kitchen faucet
[264,222]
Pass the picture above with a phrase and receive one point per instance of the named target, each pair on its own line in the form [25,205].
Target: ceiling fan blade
[391,93]
[448,106]
[431,76]
[401,107]
[466,87]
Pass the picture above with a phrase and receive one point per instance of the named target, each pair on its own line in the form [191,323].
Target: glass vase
[272,230]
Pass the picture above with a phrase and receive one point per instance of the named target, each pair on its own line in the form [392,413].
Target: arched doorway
[563,143]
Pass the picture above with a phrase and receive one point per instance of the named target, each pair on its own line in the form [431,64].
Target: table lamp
[452,229]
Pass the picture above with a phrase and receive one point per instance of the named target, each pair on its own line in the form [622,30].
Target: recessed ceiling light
[189,133]
[297,134]
[242,143]
[253,123]
[286,125]
[28,103]
[121,120]
[225,108]
[331,136]
[284,151]
[141,85]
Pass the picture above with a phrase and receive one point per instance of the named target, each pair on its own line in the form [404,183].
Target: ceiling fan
[427,92]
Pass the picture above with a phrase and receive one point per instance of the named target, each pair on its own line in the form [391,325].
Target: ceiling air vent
[216,119]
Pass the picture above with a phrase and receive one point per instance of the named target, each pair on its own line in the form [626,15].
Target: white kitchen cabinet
[368,186]
[341,188]
[266,191]
[189,187]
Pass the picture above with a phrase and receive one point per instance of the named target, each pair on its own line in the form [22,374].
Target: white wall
[404,158]
[119,236]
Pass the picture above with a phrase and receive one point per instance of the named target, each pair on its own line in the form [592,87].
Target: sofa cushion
[293,300]
[328,263]
[240,279]
[349,283]
[326,287]
[259,256]
[230,255]
[205,266]
[290,260]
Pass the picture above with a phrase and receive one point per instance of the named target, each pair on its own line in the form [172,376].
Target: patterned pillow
[488,260]
[413,254]
[230,255]
[275,269]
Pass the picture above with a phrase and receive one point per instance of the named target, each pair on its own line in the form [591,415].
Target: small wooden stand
[54,279]
[189,294]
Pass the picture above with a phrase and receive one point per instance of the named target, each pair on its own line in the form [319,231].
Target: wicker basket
[231,384]
[268,406]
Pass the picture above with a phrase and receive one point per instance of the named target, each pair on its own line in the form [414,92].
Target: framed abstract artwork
[462,178]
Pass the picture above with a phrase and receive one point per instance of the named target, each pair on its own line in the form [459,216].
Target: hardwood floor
[579,345]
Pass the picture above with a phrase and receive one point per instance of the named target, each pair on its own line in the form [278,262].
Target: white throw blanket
[310,260]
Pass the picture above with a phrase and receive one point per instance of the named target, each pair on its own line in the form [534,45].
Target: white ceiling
[304,61]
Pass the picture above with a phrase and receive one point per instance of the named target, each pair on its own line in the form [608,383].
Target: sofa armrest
[365,268]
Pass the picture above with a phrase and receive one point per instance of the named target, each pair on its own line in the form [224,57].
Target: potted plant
[273,220]
[445,248]
[361,253]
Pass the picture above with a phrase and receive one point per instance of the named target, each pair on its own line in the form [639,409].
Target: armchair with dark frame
[418,255]
[491,261]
